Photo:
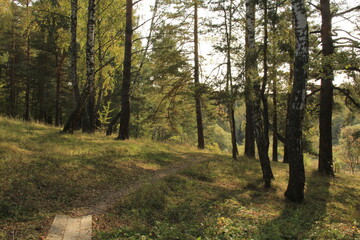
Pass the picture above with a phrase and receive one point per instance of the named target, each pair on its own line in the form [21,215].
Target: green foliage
[350,141]
[217,136]
[104,115]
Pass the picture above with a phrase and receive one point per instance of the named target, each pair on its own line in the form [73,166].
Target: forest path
[69,228]
[78,225]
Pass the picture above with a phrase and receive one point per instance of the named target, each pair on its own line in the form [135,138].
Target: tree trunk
[100,83]
[229,85]
[74,120]
[91,112]
[41,97]
[274,90]
[249,127]
[261,138]
[326,93]
[59,65]
[74,51]
[295,189]
[125,91]
[250,62]
[235,151]
[275,125]
[200,131]
[90,64]
[12,76]
[113,121]
[290,82]
[265,110]
[27,89]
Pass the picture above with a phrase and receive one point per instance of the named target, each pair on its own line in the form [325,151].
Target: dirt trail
[110,198]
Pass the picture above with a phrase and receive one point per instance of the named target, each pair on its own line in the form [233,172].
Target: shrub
[350,141]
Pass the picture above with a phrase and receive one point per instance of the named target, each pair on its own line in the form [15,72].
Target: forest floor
[139,189]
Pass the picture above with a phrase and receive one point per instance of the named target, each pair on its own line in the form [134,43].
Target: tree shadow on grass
[185,205]
[298,220]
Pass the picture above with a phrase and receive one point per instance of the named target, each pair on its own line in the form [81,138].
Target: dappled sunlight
[49,172]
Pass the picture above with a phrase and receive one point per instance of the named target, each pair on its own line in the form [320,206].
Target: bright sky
[206,46]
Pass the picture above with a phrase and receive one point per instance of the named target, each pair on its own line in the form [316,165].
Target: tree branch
[347,11]
[348,40]
[346,92]
[313,92]
[349,46]
[347,32]
[315,6]
[104,65]
[353,69]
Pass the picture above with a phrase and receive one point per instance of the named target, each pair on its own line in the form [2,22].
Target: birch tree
[73,122]
[258,106]
[295,189]
[250,64]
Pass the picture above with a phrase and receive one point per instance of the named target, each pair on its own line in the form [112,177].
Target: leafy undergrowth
[44,172]
[225,199]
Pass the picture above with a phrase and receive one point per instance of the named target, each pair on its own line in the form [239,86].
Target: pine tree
[125,91]
[200,130]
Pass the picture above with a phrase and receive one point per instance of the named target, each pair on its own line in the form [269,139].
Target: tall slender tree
[273,75]
[125,91]
[263,96]
[295,189]
[326,92]
[12,71]
[59,62]
[74,50]
[200,130]
[27,74]
[262,140]
[289,86]
[90,64]
[229,78]
[250,62]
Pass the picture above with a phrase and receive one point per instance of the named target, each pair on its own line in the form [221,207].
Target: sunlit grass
[45,172]
[225,199]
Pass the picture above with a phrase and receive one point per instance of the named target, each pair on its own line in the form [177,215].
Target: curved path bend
[78,225]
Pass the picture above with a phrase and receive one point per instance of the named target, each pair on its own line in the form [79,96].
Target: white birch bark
[295,190]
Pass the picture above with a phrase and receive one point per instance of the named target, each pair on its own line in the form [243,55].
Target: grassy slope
[44,172]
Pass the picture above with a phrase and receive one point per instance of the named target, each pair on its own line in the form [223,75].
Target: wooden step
[69,228]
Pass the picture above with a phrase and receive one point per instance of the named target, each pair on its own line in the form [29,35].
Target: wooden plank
[58,227]
[85,228]
[72,231]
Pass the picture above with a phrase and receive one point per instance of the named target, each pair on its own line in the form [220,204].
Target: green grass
[224,199]
[44,172]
